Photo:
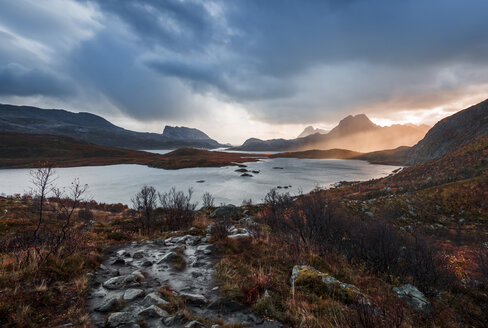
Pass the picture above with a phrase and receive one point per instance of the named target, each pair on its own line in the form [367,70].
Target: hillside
[356,133]
[451,133]
[19,150]
[91,128]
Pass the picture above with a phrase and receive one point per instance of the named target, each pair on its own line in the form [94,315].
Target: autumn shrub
[220,229]
[178,209]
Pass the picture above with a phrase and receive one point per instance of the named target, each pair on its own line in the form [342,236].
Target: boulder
[307,275]
[195,299]
[192,240]
[153,311]
[138,255]
[413,297]
[178,318]
[168,257]
[226,211]
[153,299]
[247,222]
[125,319]
[159,242]
[132,293]
[194,324]
[120,281]
[108,304]
[138,275]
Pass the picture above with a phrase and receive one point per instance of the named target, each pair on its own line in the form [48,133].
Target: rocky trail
[124,290]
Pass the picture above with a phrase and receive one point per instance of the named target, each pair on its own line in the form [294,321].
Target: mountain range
[356,133]
[309,130]
[97,130]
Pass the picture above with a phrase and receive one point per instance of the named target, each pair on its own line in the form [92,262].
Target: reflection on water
[118,183]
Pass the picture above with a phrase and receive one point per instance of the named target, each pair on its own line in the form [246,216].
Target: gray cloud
[284,61]
[20,81]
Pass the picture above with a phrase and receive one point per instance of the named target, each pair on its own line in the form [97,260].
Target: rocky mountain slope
[95,129]
[184,133]
[356,133]
[309,130]
[450,133]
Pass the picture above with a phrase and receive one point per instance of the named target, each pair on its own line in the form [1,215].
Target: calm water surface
[118,183]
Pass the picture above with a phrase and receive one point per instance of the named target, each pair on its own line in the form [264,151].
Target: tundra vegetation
[407,250]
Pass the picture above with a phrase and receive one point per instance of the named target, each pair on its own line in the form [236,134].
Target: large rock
[153,311]
[153,299]
[226,211]
[108,304]
[168,257]
[132,293]
[122,319]
[120,281]
[195,299]
[413,297]
[307,275]
[138,255]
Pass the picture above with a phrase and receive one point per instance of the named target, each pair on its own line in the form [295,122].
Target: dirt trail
[124,289]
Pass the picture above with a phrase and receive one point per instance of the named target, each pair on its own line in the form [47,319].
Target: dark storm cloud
[283,60]
[20,81]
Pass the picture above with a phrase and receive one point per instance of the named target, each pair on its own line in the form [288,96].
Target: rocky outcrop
[451,133]
[226,211]
[413,297]
[309,276]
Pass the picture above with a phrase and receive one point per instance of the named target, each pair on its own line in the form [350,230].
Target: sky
[245,68]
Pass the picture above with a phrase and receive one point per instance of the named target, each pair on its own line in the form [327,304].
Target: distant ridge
[95,129]
[356,133]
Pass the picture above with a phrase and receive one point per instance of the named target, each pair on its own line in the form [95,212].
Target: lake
[119,183]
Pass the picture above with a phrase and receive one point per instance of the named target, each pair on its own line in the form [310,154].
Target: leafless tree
[42,180]
[58,205]
[178,209]
[144,203]
[208,201]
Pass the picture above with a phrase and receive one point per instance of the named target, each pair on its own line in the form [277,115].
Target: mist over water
[119,183]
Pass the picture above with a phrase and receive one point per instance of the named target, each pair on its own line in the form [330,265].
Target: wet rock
[226,211]
[147,263]
[119,282]
[132,293]
[153,311]
[168,257]
[122,319]
[205,249]
[118,261]
[247,222]
[109,304]
[192,240]
[138,255]
[153,299]
[195,299]
[413,297]
[240,235]
[194,324]
[138,274]
[159,242]
[174,320]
